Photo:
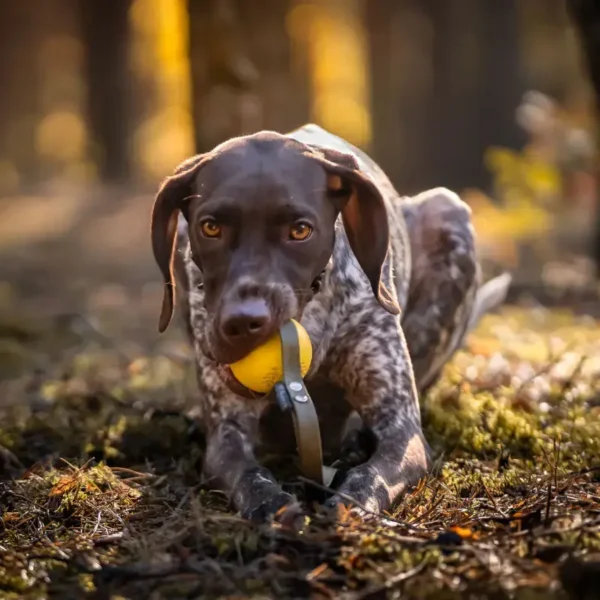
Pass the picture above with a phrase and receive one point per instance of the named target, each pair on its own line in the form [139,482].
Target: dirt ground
[100,493]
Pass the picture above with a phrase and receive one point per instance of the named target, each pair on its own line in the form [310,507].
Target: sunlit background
[100,99]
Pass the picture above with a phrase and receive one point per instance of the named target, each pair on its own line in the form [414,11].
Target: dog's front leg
[375,372]
[231,465]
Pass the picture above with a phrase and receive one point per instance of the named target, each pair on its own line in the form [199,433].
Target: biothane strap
[306,422]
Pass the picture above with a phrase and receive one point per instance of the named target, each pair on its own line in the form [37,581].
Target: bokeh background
[100,99]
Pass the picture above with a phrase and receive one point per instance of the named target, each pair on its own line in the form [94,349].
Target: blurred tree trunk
[446,84]
[21,36]
[500,84]
[399,49]
[245,69]
[200,17]
[218,62]
[105,32]
[477,86]
[458,65]
[586,17]
[279,97]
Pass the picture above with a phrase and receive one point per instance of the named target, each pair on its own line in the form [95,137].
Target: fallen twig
[388,584]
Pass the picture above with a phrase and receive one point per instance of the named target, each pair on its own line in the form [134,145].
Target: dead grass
[101,496]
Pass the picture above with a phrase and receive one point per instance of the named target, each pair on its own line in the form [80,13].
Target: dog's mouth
[219,352]
[223,354]
[234,385]
[222,362]
[226,354]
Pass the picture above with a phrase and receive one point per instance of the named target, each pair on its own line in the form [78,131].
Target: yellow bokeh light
[330,34]
[299,19]
[61,136]
[344,116]
[160,55]
[161,141]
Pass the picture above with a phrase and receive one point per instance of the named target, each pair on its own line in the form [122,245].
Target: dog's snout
[246,320]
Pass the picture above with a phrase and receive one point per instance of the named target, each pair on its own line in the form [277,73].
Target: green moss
[485,413]
[478,423]
[510,419]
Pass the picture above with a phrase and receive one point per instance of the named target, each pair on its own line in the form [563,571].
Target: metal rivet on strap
[295,386]
[301,398]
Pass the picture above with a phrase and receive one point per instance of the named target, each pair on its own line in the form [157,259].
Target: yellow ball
[260,370]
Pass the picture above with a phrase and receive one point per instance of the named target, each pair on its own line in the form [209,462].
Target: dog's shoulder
[396,271]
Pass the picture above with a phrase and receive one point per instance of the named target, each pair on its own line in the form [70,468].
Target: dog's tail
[489,296]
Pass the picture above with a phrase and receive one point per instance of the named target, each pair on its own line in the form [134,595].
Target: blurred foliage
[547,186]
[538,208]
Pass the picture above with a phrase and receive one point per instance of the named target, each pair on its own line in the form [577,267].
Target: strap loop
[291,393]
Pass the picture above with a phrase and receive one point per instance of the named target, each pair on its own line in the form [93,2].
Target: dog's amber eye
[300,232]
[210,229]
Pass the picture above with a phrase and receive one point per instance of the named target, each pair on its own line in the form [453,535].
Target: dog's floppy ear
[364,215]
[169,201]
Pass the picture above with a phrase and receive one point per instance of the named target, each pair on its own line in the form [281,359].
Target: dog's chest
[277,434]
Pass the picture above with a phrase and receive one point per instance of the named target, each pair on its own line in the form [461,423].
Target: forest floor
[100,495]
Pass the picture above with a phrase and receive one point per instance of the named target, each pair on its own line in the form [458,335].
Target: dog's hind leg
[445,300]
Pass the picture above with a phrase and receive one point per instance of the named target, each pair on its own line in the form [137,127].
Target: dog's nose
[246,321]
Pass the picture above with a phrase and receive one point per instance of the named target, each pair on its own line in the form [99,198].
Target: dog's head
[261,211]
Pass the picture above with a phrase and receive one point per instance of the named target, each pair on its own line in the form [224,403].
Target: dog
[270,226]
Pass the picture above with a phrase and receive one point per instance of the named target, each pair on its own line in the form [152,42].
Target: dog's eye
[300,232]
[210,228]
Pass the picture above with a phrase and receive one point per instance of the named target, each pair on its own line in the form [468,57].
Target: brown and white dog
[269,227]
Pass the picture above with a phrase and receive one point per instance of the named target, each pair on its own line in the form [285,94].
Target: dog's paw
[265,508]
[361,489]
[339,509]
